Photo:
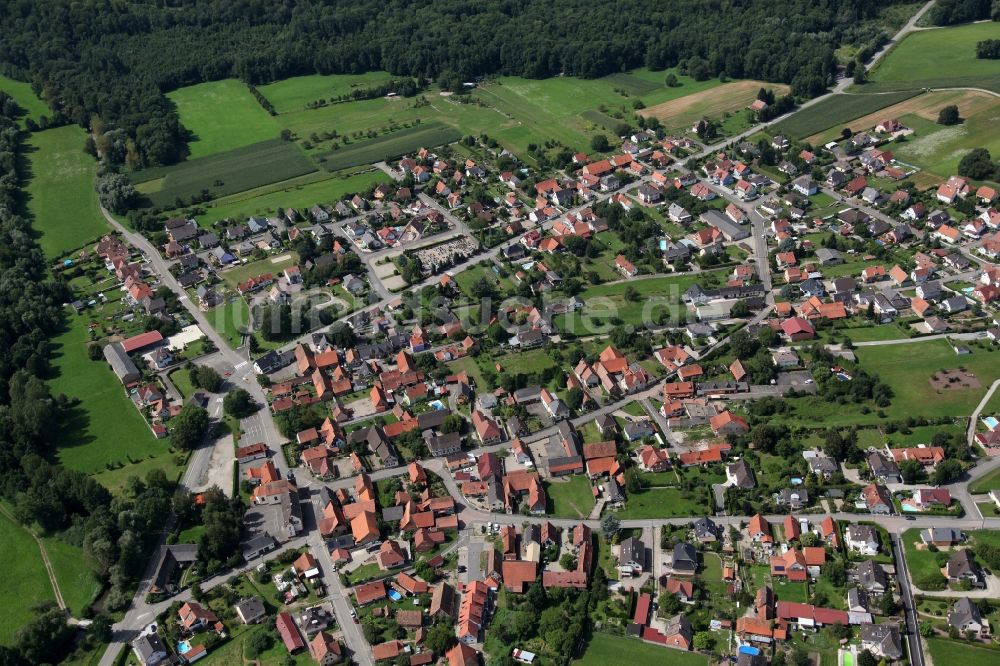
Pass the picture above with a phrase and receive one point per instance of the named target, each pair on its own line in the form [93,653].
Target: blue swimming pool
[436,404]
[990,422]
[394,595]
[183,647]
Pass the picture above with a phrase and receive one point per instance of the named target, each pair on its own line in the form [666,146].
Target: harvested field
[954,379]
[926,106]
[836,110]
[713,103]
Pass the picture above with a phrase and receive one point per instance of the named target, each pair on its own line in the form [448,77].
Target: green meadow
[222,115]
[25,97]
[61,196]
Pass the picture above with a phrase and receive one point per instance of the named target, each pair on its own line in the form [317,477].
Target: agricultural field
[289,194]
[607,649]
[295,93]
[222,115]
[91,440]
[25,97]
[940,58]
[62,200]
[925,105]
[938,149]
[715,102]
[835,111]
[222,174]
[26,583]
[389,146]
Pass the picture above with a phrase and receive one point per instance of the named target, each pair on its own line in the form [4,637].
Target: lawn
[985,484]
[222,115]
[469,366]
[223,173]
[922,564]
[25,97]
[291,194]
[526,362]
[572,498]
[295,93]
[62,200]
[607,649]
[104,428]
[26,583]
[941,58]
[181,379]
[945,651]
[243,272]
[656,299]
[467,278]
[908,367]
[667,502]
[230,319]
[836,110]
[787,591]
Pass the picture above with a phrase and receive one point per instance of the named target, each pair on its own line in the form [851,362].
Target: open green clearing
[25,97]
[295,93]
[224,173]
[836,110]
[62,199]
[91,438]
[229,319]
[940,58]
[668,502]
[572,498]
[244,272]
[74,572]
[907,368]
[656,298]
[939,149]
[222,115]
[266,200]
[26,584]
[607,649]
[957,652]
[389,146]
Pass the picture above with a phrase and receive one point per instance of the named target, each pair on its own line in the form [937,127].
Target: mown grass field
[61,196]
[26,583]
[939,149]
[389,146]
[225,173]
[222,115]
[940,58]
[945,651]
[105,427]
[25,97]
[907,369]
[664,502]
[295,93]
[922,563]
[570,499]
[605,649]
[291,194]
[986,483]
[836,110]
[656,297]
[74,573]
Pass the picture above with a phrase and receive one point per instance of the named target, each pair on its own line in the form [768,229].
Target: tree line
[114,61]
[66,503]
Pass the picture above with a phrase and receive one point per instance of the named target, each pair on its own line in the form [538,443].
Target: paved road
[909,607]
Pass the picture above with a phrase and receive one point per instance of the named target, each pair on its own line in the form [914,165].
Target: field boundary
[45,558]
[837,109]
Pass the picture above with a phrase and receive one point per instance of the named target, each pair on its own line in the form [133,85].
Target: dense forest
[115,60]
[952,12]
